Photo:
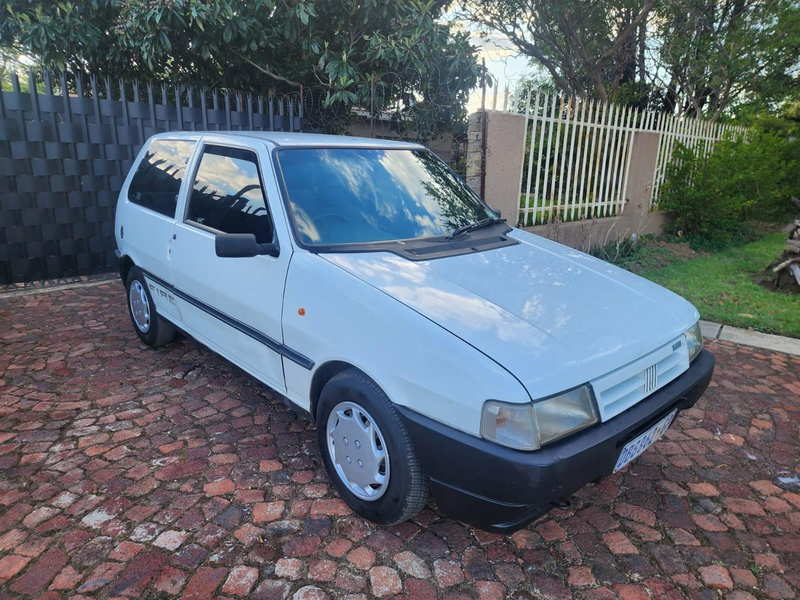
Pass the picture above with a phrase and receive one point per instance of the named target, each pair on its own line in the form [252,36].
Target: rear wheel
[367,452]
[151,328]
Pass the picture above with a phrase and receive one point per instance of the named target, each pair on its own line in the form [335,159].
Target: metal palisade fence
[66,145]
[577,154]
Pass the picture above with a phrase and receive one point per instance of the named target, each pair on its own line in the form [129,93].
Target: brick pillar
[638,189]
[504,150]
[474,151]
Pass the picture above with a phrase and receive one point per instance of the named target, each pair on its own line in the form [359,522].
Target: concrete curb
[746,337]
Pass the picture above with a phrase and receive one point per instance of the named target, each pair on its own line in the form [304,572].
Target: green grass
[723,289]
[648,254]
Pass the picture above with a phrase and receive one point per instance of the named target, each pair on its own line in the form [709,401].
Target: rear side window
[227,194]
[157,180]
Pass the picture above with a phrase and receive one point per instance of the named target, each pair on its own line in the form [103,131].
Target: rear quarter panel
[148,235]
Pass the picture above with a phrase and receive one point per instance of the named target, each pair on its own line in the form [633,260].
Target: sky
[503,63]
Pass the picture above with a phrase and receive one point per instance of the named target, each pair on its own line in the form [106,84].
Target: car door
[233,305]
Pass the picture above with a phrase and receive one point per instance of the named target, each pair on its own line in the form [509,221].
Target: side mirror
[496,211]
[242,245]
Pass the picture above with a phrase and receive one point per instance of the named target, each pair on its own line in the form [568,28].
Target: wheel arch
[125,266]
[322,375]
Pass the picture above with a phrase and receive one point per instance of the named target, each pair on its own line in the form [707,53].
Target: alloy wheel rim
[140,306]
[358,451]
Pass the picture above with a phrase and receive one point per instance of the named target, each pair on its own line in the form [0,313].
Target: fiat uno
[440,352]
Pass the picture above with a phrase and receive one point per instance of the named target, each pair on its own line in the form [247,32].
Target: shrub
[620,251]
[789,131]
[714,196]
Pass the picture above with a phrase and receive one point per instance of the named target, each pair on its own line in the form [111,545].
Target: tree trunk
[599,86]
[642,49]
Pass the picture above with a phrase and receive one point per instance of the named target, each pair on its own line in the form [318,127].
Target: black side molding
[273,345]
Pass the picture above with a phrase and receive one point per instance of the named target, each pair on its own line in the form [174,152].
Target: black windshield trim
[416,249]
[419,249]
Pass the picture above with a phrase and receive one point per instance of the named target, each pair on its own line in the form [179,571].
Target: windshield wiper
[473,226]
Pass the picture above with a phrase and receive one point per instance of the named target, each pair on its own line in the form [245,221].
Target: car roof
[287,139]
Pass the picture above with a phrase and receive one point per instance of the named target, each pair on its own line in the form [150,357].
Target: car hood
[552,316]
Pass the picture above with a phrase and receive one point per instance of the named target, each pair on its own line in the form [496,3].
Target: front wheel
[367,452]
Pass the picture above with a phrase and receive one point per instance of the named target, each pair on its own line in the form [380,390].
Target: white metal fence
[577,155]
[698,134]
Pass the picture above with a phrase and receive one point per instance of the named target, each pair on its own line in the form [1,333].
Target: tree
[588,47]
[714,53]
[697,57]
[418,66]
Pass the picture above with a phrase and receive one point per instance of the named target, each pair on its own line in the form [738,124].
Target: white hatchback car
[439,351]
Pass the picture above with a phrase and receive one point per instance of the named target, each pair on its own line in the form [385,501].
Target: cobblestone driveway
[132,472]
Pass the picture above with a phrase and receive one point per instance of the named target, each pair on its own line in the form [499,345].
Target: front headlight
[511,425]
[694,340]
[529,426]
[565,414]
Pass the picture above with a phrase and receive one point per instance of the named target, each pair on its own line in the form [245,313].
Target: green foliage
[744,234]
[636,94]
[421,68]
[587,48]
[622,251]
[535,81]
[725,53]
[790,108]
[712,197]
[788,131]
[700,57]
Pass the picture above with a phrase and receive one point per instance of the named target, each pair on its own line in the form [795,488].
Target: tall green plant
[714,196]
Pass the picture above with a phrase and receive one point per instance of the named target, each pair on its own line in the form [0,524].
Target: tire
[406,492]
[156,331]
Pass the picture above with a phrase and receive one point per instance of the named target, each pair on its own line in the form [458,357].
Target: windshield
[356,195]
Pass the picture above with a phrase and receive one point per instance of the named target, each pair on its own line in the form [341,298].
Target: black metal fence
[66,146]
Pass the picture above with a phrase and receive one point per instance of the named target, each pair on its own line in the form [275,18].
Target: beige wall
[593,233]
[441,146]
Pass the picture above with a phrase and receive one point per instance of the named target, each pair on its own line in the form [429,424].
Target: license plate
[635,447]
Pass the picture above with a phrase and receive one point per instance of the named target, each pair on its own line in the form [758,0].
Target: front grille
[650,379]
[617,391]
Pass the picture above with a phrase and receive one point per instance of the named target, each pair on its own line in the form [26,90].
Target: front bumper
[501,490]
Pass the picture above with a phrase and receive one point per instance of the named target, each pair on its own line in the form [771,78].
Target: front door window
[227,194]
